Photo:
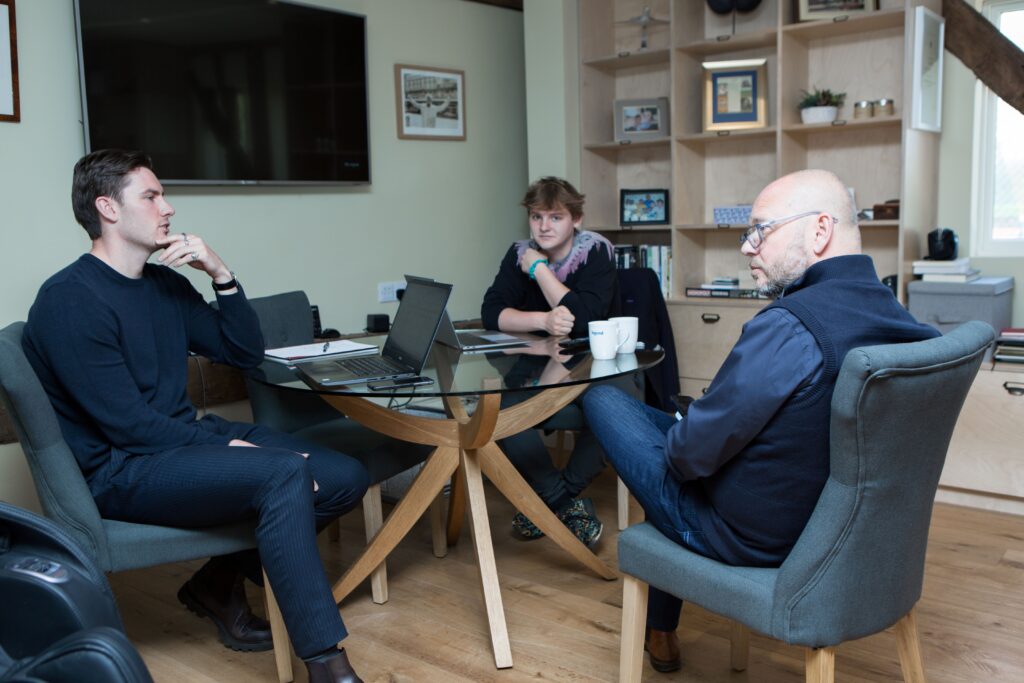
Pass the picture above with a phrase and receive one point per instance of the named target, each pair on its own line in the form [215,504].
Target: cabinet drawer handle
[1014,388]
[711,318]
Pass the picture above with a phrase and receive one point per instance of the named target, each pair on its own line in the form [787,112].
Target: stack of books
[1010,345]
[657,257]
[724,287]
[957,270]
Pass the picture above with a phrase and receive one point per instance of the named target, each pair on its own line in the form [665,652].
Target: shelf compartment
[845,124]
[627,59]
[730,43]
[728,135]
[622,146]
[833,28]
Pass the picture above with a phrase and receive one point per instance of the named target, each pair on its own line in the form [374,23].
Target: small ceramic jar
[885,107]
[863,109]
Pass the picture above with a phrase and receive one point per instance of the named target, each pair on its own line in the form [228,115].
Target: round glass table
[544,378]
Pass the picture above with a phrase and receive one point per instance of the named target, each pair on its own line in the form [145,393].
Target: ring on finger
[194,255]
[185,238]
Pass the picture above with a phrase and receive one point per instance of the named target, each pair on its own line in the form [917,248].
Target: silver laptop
[406,349]
[467,341]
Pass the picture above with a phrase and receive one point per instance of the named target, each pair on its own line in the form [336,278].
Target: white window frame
[983,162]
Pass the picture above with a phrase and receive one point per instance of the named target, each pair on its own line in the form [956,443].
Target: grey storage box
[945,305]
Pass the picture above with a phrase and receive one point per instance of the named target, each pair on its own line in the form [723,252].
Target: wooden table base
[465,445]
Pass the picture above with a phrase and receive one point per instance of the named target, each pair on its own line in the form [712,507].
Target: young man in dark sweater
[554,283]
[736,479]
[109,338]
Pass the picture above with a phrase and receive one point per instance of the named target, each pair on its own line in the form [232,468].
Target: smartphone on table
[399,383]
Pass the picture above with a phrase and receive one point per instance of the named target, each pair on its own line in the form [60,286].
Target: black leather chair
[58,623]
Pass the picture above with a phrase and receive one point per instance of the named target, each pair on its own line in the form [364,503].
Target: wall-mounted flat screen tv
[227,91]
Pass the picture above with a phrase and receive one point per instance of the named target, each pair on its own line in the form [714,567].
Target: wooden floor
[564,621]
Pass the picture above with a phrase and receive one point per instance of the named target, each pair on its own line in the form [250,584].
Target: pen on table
[326,346]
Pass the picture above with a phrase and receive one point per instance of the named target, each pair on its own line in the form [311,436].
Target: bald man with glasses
[737,477]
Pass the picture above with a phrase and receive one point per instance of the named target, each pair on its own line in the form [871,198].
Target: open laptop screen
[416,321]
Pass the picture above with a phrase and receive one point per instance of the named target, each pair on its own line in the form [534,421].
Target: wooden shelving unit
[881,158]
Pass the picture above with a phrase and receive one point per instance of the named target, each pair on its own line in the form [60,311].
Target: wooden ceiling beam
[994,58]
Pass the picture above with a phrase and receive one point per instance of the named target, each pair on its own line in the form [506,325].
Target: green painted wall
[441,209]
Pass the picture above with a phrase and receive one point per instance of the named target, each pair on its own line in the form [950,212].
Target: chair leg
[910,648]
[634,618]
[373,519]
[623,504]
[820,664]
[282,646]
[739,646]
[438,532]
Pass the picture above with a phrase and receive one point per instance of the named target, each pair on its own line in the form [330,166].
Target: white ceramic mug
[624,362]
[630,326]
[605,339]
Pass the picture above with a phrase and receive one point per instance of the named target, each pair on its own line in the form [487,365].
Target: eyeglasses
[754,236]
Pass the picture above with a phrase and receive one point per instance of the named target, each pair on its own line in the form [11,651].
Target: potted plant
[820,106]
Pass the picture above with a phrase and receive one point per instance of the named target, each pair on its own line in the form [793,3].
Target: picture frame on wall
[929,36]
[813,10]
[10,105]
[642,119]
[430,103]
[735,94]
[643,207]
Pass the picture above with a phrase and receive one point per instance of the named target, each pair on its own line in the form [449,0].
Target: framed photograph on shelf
[430,103]
[10,109]
[643,207]
[813,10]
[641,119]
[735,94]
[929,32]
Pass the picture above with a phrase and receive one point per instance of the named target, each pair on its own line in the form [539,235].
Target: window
[998,203]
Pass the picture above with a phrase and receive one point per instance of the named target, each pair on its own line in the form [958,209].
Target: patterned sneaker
[582,521]
[526,529]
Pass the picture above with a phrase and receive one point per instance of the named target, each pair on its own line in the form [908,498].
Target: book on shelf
[319,351]
[1012,332]
[724,292]
[970,276]
[963,262]
[657,257]
[1008,358]
[953,267]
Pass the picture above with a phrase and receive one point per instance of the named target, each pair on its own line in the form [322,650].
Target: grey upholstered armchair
[66,499]
[859,564]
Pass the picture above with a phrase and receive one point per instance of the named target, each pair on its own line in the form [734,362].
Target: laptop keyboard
[371,365]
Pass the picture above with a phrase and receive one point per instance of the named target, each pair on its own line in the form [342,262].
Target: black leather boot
[333,669]
[218,594]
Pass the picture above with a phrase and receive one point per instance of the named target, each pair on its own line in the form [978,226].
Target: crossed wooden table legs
[466,444]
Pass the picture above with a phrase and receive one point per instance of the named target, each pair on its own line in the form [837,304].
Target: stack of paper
[320,350]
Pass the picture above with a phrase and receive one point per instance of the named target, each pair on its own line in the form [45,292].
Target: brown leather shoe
[663,648]
[334,669]
[224,603]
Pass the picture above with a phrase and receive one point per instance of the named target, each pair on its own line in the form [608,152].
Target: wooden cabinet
[880,158]
[985,463]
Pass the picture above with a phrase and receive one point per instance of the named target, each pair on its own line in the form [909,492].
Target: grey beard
[773,288]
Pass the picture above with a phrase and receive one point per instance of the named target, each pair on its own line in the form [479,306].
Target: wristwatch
[225,286]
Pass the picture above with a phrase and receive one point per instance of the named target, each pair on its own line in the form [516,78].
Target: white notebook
[320,350]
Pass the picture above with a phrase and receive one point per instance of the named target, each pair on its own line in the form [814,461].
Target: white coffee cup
[605,339]
[624,362]
[630,326]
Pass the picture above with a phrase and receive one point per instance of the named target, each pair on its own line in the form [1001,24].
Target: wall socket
[388,291]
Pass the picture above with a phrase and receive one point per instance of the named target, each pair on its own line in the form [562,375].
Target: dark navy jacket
[756,487]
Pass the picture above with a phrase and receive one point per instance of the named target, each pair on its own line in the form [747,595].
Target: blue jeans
[208,485]
[633,437]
